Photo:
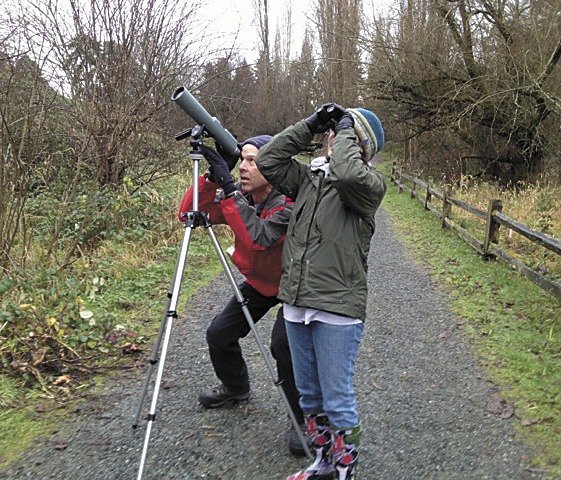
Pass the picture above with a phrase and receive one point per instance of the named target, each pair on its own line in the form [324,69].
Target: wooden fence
[441,203]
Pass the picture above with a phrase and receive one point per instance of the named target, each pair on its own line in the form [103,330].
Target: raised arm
[360,186]
[276,163]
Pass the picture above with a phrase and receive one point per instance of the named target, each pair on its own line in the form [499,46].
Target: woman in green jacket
[323,284]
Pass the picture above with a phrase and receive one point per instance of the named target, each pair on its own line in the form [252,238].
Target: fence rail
[494,218]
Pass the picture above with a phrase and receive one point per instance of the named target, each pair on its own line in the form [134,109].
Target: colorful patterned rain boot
[344,452]
[319,435]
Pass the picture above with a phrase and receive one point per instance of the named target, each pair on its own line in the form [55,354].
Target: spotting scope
[195,110]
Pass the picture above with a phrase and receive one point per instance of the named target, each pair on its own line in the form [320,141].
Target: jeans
[323,359]
[281,353]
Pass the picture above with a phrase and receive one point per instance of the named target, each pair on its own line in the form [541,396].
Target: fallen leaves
[131,348]
[62,380]
[527,422]
[500,407]
[60,444]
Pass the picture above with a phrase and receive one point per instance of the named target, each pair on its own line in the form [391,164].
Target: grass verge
[19,426]
[18,429]
[514,326]
[132,298]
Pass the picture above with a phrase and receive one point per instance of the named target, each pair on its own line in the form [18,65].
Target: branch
[551,64]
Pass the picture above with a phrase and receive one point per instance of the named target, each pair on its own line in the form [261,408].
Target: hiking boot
[294,444]
[215,397]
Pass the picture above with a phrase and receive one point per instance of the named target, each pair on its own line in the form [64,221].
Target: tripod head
[196,133]
[194,218]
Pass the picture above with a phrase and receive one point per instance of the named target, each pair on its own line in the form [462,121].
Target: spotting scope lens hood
[195,110]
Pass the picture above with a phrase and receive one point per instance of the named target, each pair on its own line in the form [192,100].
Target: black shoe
[217,396]
[294,444]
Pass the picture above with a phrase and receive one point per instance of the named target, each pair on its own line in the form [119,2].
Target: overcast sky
[231,17]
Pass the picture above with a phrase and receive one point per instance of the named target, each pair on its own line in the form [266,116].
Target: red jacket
[259,231]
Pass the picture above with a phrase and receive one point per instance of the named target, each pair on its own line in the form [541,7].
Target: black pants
[224,333]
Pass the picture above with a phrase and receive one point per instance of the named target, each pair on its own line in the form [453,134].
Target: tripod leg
[170,315]
[258,339]
[156,349]
[153,359]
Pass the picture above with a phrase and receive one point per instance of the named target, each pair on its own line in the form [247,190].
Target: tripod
[192,220]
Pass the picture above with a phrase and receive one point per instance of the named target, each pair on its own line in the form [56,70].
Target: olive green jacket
[324,258]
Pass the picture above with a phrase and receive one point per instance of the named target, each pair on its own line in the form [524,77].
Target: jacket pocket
[329,271]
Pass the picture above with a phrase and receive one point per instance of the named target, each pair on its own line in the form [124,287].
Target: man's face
[250,176]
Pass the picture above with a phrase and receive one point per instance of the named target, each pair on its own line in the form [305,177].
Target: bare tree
[119,62]
[84,103]
[475,78]
[274,101]
[227,91]
[32,141]
[338,24]
[306,78]
[261,9]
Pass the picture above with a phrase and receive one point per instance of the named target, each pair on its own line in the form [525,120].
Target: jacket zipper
[307,262]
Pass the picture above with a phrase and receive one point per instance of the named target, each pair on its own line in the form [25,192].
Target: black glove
[334,111]
[320,121]
[218,170]
[323,119]
[346,121]
[231,160]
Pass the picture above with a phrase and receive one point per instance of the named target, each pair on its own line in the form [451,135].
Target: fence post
[392,174]
[414,186]
[399,184]
[492,228]
[428,197]
[446,205]
[407,152]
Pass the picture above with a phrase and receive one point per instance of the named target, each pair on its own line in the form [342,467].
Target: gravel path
[421,393]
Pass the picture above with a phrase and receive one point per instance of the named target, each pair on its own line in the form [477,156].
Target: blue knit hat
[369,131]
[259,141]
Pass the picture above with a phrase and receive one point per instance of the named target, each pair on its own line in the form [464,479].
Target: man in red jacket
[258,215]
